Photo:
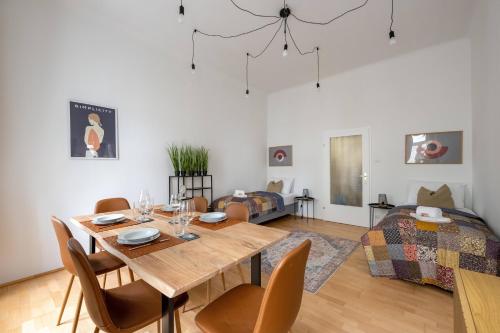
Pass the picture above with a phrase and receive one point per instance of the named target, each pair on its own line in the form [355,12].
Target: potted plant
[183,161]
[189,161]
[173,153]
[196,162]
[204,160]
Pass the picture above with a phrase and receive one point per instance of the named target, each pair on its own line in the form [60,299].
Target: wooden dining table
[179,268]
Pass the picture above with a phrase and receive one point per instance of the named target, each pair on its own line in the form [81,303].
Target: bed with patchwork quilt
[262,205]
[402,247]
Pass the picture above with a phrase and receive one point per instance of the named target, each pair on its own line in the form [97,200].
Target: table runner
[158,244]
[101,228]
[215,226]
[164,213]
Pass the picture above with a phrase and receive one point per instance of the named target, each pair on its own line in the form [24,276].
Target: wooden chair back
[200,204]
[238,211]
[111,205]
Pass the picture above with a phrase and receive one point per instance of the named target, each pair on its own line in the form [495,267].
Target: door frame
[339,213]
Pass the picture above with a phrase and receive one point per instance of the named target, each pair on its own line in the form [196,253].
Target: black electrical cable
[228,36]
[240,34]
[333,19]
[317,61]
[295,44]
[248,54]
[250,12]
[392,15]
[269,43]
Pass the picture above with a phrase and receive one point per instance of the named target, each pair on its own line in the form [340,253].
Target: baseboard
[31,277]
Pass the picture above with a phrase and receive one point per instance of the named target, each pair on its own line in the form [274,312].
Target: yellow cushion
[275,186]
[441,198]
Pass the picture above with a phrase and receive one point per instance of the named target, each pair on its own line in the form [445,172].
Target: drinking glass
[176,223]
[191,211]
[149,207]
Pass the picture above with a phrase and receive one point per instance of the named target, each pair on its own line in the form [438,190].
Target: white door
[346,189]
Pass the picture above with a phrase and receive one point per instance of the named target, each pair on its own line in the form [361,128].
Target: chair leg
[119,275]
[208,291]
[96,329]
[158,326]
[177,319]
[104,281]
[68,290]
[131,274]
[223,277]
[242,275]
[77,312]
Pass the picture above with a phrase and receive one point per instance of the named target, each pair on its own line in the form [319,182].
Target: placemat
[101,228]
[163,213]
[162,242]
[215,226]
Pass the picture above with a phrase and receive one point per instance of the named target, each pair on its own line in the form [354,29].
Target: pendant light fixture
[180,18]
[280,20]
[392,34]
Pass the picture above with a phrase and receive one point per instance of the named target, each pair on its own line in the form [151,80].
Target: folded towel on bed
[429,211]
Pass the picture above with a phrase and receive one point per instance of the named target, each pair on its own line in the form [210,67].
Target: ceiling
[357,39]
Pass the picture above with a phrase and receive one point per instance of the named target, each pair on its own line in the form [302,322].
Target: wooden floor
[351,301]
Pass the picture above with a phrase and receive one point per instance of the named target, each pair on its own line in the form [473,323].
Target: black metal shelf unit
[192,187]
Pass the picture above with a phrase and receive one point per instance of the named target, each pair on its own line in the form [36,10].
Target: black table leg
[167,314]
[91,244]
[255,268]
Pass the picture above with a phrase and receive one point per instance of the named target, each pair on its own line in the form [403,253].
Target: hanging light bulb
[247,93]
[193,68]
[392,38]
[285,50]
[180,18]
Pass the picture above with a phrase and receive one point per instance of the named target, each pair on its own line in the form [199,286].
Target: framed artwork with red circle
[434,148]
[280,156]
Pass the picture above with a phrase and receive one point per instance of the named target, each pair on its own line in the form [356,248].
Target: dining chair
[112,205]
[237,211]
[251,309]
[200,204]
[101,263]
[123,309]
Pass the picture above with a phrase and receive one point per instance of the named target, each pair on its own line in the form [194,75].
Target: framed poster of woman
[93,131]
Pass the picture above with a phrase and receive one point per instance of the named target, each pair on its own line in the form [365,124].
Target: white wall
[53,51]
[485,37]
[425,91]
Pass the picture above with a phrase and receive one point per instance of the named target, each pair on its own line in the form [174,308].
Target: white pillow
[287,184]
[457,191]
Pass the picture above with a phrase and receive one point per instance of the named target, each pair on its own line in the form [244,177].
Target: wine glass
[174,200]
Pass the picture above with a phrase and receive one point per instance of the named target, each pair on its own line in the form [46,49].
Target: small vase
[205,172]
[177,173]
[195,173]
[182,173]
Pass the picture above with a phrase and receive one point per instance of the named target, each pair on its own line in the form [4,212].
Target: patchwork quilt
[403,247]
[259,203]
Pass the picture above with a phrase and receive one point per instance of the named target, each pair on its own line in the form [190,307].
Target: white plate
[431,219]
[207,221]
[108,219]
[213,217]
[150,239]
[138,235]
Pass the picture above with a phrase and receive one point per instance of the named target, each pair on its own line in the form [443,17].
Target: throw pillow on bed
[441,198]
[275,186]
